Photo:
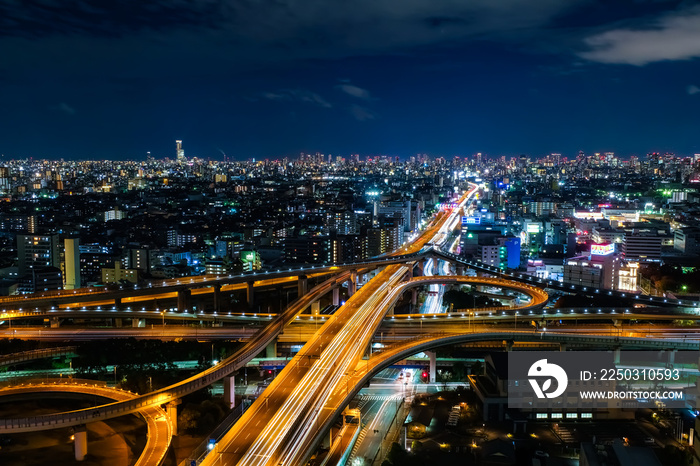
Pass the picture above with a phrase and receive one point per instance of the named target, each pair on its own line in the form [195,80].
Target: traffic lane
[369,318]
[239,439]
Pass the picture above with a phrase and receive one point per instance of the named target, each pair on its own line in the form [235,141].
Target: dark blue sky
[84,80]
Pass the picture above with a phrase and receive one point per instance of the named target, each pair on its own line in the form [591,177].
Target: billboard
[248,256]
[602,249]
[533,227]
[471,220]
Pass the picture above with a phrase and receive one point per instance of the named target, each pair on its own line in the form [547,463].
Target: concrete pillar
[250,294]
[336,296]
[55,323]
[80,442]
[183,300]
[117,302]
[421,267]
[433,365]
[138,323]
[302,285]
[460,270]
[562,346]
[352,283]
[217,298]
[509,345]
[171,411]
[230,391]
[271,349]
[118,322]
[414,296]
[409,273]
[616,355]
[672,356]
[315,308]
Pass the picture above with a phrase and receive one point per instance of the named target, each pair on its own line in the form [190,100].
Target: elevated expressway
[84,304]
[160,429]
[169,394]
[303,401]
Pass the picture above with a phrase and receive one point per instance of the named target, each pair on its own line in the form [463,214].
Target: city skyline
[115,82]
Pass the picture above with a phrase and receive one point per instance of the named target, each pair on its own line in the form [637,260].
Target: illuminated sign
[533,227]
[249,256]
[602,249]
[471,220]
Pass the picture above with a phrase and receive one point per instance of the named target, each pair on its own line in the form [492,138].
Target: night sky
[262,79]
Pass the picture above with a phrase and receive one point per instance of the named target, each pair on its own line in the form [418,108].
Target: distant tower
[4,180]
[180,151]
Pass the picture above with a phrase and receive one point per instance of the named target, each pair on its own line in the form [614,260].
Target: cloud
[297,95]
[65,108]
[361,113]
[270,30]
[693,89]
[674,36]
[42,18]
[354,91]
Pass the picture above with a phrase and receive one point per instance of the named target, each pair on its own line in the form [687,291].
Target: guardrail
[8,359]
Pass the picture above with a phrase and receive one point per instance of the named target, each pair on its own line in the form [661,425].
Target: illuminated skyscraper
[180,151]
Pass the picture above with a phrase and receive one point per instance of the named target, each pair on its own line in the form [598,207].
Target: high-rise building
[180,151]
[72,263]
[37,251]
[4,179]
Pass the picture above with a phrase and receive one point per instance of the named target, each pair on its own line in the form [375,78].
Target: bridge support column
[672,356]
[509,345]
[616,356]
[55,323]
[414,296]
[421,267]
[230,391]
[117,302]
[336,296]
[432,356]
[80,444]
[138,323]
[409,273]
[118,322]
[217,298]
[315,308]
[562,346]
[352,283]
[302,285]
[460,270]
[271,349]
[183,300]
[250,294]
[171,410]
